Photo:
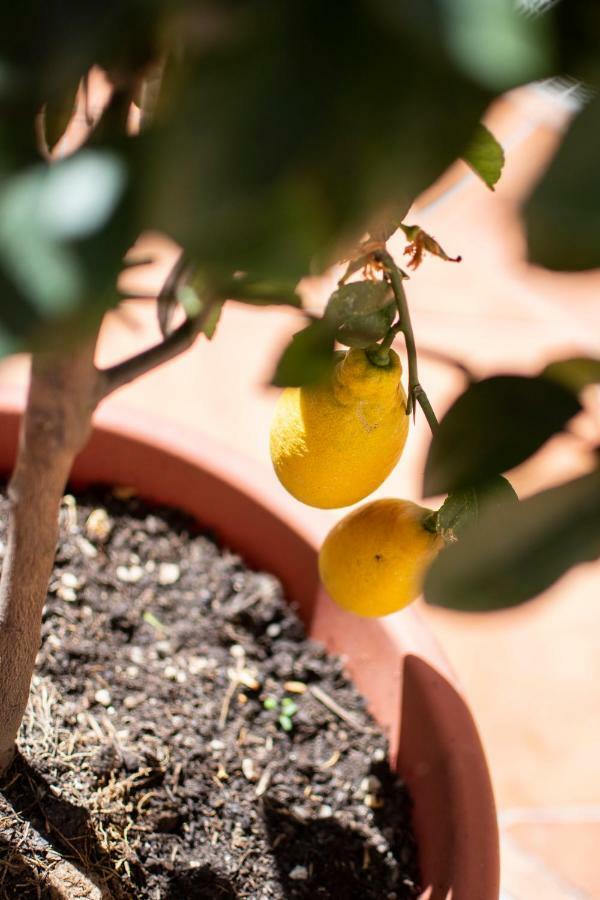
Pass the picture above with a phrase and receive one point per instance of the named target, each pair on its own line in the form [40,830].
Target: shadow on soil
[55,825]
[342,863]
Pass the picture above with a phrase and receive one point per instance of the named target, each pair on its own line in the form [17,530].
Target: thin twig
[334,707]
[179,340]
[416,394]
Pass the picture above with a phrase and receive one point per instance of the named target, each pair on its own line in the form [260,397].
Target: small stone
[325,812]
[378,755]
[249,769]
[98,525]
[86,547]
[298,873]
[130,574]
[197,664]
[132,671]
[102,696]
[370,785]
[300,813]
[237,651]
[373,801]
[170,672]
[295,687]
[216,744]
[68,594]
[163,648]
[247,677]
[70,580]
[150,566]
[133,700]
[181,677]
[136,655]
[168,573]
[274,630]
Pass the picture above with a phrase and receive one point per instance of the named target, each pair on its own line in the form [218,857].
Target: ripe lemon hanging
[332,444]
[374,560]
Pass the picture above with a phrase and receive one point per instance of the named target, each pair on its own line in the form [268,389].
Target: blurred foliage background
[273,137]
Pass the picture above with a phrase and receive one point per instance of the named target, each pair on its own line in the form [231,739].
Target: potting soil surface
[184,739]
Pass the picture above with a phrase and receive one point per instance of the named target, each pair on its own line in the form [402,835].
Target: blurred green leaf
[575,373]
[282,134]
[494,425]
[286,723]
[497,43]
[485,155]
[464,507]
[516,552]
[309,358]
[43,208]
[213,319]
[562,216]
[63,232]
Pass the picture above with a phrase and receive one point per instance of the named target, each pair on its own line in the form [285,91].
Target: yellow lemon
[374,560]
[333,443]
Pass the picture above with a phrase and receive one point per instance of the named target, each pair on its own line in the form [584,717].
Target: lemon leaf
[485,155]
[495,425]
[309,357]
[516,551]
[575,373]
[464,507]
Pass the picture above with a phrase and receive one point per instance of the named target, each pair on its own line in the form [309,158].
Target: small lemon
[333,443]
[374,560]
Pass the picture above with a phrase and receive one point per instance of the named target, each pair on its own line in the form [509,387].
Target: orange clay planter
[395,662]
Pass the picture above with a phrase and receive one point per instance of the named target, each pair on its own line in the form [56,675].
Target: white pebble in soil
[299,873]
[168,573]
[130,574]
[102,696]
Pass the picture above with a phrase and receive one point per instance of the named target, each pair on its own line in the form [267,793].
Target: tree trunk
[63,393]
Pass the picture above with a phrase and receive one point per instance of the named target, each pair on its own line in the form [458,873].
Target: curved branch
[179,340]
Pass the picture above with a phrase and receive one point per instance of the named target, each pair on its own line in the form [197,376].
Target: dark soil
[154,757]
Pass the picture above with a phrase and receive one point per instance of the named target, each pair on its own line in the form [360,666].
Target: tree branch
[179,340]
[416,394]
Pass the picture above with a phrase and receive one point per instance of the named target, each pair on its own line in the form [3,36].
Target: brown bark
[64,391]
[63,394]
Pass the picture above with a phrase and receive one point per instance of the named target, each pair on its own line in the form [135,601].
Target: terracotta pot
[394,661]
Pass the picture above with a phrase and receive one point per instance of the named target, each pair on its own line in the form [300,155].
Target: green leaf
[575,373]
[516,552]
[309,358]
[359,298]
[286,723]
[485,156]
[263,160]
[495,425]
[464,507]
[288,707]
[562,216]
[497,43]
[63,232]
[270,703]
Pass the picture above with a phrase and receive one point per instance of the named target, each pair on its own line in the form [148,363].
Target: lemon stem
[416,394]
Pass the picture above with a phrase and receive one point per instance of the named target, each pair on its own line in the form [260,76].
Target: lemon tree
[268,139]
